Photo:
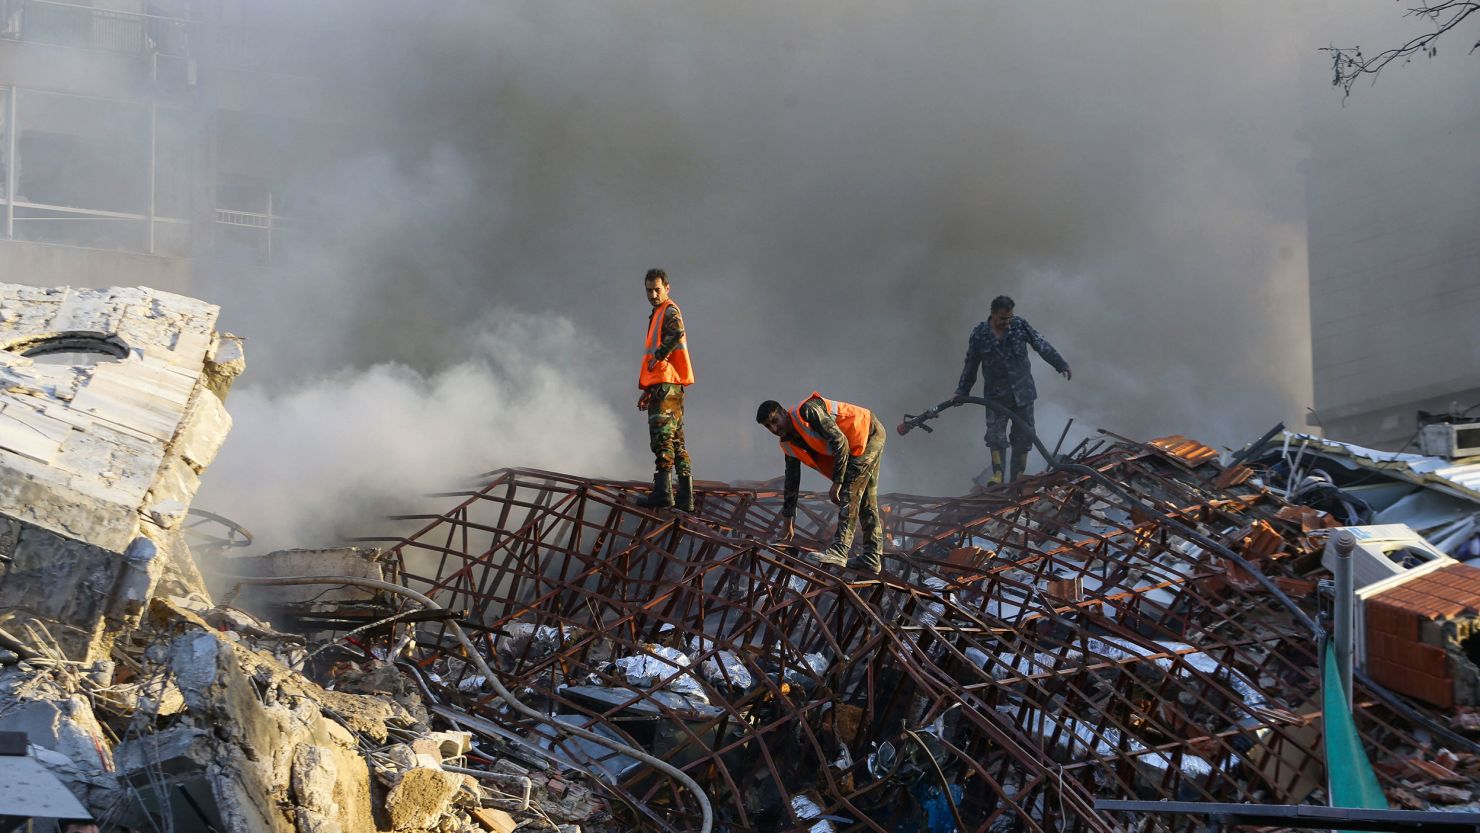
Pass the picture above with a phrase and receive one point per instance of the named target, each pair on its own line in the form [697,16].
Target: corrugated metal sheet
[1462,479]
[1191,452]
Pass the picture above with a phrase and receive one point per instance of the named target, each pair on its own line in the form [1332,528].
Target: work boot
[867,562]
[997,466]
[685,498]
[830,557]
[1019,465]
[662,495]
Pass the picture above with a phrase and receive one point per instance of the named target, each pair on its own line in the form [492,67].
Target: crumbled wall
[96,455]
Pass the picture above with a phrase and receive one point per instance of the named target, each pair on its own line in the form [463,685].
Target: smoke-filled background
[837,190]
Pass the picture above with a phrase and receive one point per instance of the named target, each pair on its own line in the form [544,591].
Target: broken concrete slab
[106,425]
[421,797]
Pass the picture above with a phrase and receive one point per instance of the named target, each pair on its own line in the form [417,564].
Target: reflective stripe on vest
[852,420]
[675,370]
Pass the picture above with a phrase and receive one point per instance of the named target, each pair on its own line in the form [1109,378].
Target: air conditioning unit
[1451,440]
[1386,551]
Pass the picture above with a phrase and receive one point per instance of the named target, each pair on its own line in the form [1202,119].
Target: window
[82,171]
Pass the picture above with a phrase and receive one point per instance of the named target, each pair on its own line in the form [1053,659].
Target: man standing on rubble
[664,374]
[845,444]
[999,346]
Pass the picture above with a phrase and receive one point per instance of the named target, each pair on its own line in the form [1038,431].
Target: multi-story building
[1394,241]
[141,141]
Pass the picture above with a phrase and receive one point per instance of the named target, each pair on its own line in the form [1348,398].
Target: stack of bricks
[1398,656]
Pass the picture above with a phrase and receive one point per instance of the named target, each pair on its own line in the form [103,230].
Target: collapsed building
[1139,622]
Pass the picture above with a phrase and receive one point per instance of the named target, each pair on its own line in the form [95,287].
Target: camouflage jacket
[815,414]
[672,331]
[1004,362]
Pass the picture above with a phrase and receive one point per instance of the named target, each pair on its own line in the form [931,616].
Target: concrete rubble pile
[1139,622]
[157,707]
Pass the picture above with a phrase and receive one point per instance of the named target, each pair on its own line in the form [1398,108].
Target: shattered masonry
[99,461]
[158,709]
[1024,653]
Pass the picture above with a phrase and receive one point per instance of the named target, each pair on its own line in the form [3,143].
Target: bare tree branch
[1349,64]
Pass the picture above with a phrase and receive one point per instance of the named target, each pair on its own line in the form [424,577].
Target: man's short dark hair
[770,406]
[656,275]
[1002,302]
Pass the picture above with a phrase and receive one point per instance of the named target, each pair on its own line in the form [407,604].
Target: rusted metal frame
[497,572]
[602,566]
[1008,770]
[522,534]
[1092,603]
[972,716]
[1299,646]
[1109,663]
[577,526]
[629,613]
[433,524]
[1031,783]
[1096,728]
[1208,683]
[1032,779]
[805,598]
[1059,725]
[1187,586]
[1220,737]
[689,569]
[996,732]
[1119,767]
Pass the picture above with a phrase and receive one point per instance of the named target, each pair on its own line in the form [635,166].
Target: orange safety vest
[675,370]
[853,420]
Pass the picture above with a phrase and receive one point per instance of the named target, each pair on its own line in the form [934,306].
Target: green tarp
[1349,776]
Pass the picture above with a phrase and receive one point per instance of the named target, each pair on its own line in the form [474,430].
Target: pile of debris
[1145,632]
[156,707]
[1142,622]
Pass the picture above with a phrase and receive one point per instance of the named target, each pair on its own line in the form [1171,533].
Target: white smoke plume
[317,461]
[838,189]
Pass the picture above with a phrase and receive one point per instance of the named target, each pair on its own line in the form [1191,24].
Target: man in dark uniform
[844,443]
[999,347]
[665,373]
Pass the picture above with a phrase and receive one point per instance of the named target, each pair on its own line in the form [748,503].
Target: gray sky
[837,189]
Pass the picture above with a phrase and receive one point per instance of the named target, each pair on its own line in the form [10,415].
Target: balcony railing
[59,23]
[65,24]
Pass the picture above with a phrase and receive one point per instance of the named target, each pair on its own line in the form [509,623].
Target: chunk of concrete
[421,798]
[314,779]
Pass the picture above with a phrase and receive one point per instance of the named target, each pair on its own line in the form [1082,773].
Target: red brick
[1387,674]
[1425,659]
[1390,619]
[1443,692]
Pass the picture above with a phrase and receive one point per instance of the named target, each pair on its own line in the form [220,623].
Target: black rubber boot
[1019,465]
[685,498]
[662,496]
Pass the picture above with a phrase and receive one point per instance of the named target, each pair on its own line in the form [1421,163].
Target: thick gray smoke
[837,190]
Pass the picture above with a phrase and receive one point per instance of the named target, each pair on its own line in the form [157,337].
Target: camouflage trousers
[1021,438]
[861,499]
[665,428]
